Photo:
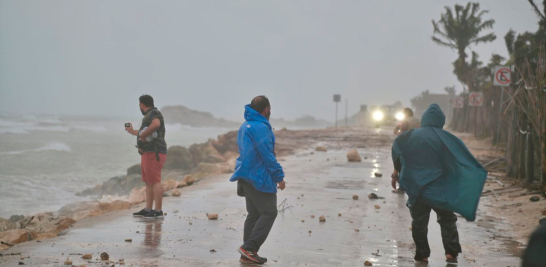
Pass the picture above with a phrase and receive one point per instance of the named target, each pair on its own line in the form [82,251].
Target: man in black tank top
[153,150]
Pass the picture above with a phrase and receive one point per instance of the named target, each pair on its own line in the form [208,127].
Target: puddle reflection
[152,234]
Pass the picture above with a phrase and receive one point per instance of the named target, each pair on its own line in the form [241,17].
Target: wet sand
[318,183]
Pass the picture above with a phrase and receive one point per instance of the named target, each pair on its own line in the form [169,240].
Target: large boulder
[226,143]
[169,184]
[122,185]
[6,225]
[353,156]
[137,195]
[78,210]
[135,169]
[206,153]
[179,157]
[17,236]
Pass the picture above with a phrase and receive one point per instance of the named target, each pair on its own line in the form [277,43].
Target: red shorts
[151,168]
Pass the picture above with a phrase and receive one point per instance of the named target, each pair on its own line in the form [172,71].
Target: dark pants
[420,213]
[262,211]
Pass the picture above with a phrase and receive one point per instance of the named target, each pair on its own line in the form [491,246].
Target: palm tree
[460,29]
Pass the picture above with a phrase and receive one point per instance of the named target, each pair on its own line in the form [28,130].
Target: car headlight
[400,116]
[378,115]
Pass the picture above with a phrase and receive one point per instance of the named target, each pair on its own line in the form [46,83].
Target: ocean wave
[43,125]
[99,129]
[53,146]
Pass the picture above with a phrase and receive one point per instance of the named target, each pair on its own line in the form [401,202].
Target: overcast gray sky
[98,57]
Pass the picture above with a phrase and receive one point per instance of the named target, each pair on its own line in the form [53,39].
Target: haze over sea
[45,160]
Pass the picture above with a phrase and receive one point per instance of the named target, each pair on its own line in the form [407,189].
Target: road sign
[458,102]
[502,76]
[337,98]
[475,99]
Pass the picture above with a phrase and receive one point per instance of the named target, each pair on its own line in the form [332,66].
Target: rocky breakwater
[184,167]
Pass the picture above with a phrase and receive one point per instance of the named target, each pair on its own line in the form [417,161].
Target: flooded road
[318,183]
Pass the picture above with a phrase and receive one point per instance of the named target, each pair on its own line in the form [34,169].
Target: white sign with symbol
[475,99]
[458,102]
[502,76]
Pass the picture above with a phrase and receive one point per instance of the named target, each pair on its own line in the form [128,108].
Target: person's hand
[142,139]
[394,179]
[129,129]
[281,185]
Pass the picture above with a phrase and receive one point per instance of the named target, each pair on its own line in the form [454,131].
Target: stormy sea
[45,160]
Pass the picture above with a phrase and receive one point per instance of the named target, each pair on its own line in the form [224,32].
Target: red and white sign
[502,76]
[475,99]
[458,102]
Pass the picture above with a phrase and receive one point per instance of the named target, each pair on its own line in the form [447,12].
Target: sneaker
[261,258]
[451,260]
[140,213]
[250,255]
[154,214]
[244,260]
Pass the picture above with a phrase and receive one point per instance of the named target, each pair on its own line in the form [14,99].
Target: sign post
[501,77]
[475,99]
[337,98]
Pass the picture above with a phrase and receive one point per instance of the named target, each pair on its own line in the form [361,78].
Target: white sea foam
[53,146]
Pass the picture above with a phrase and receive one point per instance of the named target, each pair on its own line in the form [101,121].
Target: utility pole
[337,98]
[346,108]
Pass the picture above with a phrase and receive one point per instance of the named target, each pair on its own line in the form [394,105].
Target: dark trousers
[262,211]
[420,213]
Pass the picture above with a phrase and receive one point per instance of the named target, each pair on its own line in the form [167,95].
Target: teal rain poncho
[437,168]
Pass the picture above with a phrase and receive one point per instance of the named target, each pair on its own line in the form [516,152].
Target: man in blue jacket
[257,173]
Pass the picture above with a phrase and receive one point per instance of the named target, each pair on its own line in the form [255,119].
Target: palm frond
[444,43]
[484,39]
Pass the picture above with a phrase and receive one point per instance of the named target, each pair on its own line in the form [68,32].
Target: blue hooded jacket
[437,168]
[257,163]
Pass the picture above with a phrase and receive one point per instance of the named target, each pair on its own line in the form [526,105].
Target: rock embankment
[184,167]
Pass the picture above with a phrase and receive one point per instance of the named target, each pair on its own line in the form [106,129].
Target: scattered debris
[535,198]
[367,263]
[355,197]
[339,214]
[282,207]
[176,193]
[376,253]
[21,263]
[322,218]
[353,156]
[377,174]
[213,250]
[302,220]
[128,240]
[377,206]
[68,262]
[544,211]
[309,231]
[357,230]
[321,149]
[104,256]
[312,216]
[212,216]
[87,256]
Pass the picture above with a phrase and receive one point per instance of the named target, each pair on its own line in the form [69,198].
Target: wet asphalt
[318,183]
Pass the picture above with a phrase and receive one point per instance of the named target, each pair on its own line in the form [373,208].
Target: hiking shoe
[154,214]
[250,255]
[141,213]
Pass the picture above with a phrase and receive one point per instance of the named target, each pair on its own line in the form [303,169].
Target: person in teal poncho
[437,172]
